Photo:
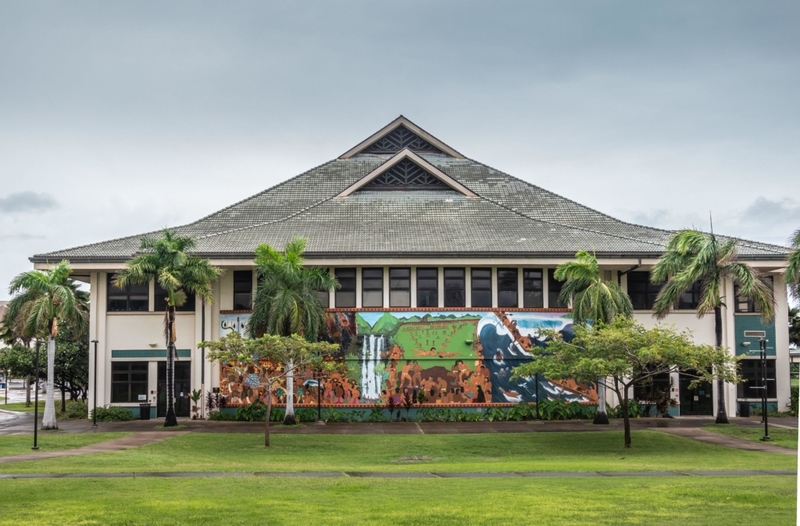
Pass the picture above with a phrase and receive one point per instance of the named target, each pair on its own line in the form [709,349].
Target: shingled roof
[402,192]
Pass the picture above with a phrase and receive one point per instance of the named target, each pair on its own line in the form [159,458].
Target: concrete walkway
[403,475]
[710,437]
[118,444]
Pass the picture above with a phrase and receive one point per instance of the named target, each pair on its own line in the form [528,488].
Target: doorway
[183,388]
[698,401]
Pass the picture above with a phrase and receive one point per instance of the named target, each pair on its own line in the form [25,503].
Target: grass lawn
[20,406]
[256,500]
[597,451]
[51,441]
[780,436]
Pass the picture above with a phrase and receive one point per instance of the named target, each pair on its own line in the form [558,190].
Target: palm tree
[592,300]
[792,274]
[45,297]
[695,257]
[286,302]
[167,260]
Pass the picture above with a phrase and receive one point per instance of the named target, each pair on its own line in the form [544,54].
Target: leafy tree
[792,274]
[18,361]
[593,300]
[167,260]
[794,326]
[695,257]
[43,299]
[286,302]
[624,354]
[263,358]
[72,363]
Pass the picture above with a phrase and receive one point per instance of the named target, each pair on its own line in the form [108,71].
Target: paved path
[118,444]
[719,439]
[405,475]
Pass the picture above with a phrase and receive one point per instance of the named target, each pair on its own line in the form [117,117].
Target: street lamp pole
[538,415]
[763,343]
[36,403]
[94,386]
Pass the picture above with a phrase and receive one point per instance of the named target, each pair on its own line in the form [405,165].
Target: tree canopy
[623,354]
[592,297]
[792,274]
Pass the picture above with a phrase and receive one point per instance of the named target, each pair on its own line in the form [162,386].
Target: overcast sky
[118,118]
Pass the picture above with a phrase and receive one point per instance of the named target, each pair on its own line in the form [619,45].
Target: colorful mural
[441,357]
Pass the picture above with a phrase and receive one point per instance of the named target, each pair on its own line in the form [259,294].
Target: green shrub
[222,416]
[76,410]
[306,414]
[112,414]
[494,414]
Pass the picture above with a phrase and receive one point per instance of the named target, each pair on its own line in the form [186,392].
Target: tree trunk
[601,417]
[27,391]
[269,411]
[626,418]
[49,419]
[170,420]
[63,400]
[289,419]
[722,415]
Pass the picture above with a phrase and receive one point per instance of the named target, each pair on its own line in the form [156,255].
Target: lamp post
[94,386]
[538,415]
[36,403]
[763,344]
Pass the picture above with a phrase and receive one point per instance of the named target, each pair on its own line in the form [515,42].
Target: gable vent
[406,175]
[398,139]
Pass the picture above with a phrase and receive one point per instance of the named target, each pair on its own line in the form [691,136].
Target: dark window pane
[554,290]
[128,381]
[533,299]
[533,287]
[744,304]
[454,287]
[126,299]
[399,287]
[372,287]
[161,301]
[242,289]
[642,292]
[691,298]
[427,287]
[507,286]
[481,281]
[481,298]
[346,294]
[752,372]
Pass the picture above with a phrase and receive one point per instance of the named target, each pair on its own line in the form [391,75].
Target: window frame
[144,369]
[694,292]
[243,291]
[451,292]
[160,301]
[754,375]
[554,291]
[750,306]
[344,282]
[503,285]
[399,284]
[526,280]
[649,294]
[479,292]
[426,291]
[378,276]
[128,292]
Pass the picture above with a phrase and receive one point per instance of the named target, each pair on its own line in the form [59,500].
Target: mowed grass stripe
[533,452]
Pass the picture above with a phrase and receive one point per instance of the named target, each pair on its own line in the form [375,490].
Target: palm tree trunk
[170,420]
[289,419]
[49,419]
[601,417]
[28,391]
[722,415]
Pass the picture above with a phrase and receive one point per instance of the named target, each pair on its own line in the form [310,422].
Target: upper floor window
[532,288]
[399,287]
[642,292]
[242,289]
[690,298]
[372,287]
[427,287]
[346,294]
[554,290]
[481,287]
[744,304]
[127,299]
[507,287]
[161,296]
[454,287]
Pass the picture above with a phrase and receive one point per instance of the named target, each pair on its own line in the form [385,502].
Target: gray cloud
[27,202]
[22,236]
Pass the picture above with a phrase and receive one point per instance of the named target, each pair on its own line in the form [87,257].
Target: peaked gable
[407,171]
[401,134]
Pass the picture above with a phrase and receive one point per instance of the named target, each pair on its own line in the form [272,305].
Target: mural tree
[695,257]
[167,261]
[623,354]
[286,302]
[45,297]
[593,300]
[259,362]
[792,274]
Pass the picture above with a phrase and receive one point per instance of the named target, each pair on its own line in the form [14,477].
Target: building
[446,267]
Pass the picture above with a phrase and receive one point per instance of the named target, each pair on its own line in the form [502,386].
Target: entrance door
[182,388]
[698,401]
